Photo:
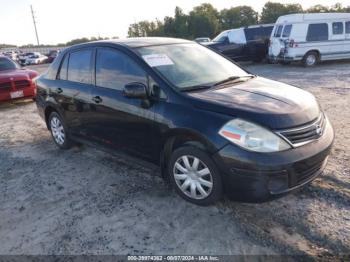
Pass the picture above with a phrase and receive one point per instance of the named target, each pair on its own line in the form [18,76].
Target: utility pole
[36,31]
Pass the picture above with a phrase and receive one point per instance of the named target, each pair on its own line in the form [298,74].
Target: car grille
[22,83]
[305,134]
[6,85]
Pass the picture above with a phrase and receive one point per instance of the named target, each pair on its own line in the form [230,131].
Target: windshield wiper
[195,87]
[232,79]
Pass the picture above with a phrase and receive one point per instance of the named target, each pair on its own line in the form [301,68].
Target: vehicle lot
[87,201]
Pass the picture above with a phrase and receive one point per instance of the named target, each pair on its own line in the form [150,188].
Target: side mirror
[135,90]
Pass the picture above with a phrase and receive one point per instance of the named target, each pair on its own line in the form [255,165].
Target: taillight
[292,43]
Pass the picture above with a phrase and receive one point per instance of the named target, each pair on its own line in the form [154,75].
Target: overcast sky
[59,21]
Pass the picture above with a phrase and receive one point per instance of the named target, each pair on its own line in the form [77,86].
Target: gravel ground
[84,201]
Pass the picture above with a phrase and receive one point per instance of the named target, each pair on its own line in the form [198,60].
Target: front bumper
[258,177]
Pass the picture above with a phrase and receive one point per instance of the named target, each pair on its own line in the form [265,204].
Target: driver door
[117,121]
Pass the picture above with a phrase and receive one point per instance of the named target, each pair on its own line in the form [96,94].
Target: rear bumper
[258,177]
[283,58]
[28,92]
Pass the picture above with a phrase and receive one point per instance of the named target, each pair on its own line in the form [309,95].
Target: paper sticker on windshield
[155,60]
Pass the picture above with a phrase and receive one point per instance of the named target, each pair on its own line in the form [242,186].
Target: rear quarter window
[347,27]
[317,32]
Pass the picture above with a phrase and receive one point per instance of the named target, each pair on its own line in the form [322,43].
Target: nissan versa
[211,126]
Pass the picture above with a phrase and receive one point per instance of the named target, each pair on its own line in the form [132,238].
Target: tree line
[206,21]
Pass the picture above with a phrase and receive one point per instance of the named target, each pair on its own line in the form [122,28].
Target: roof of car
[141,41]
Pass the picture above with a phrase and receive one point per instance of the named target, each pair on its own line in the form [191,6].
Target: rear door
[72,89]
[337,36]
[117,121]
[347,39]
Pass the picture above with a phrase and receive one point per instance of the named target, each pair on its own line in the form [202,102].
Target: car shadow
[14,103]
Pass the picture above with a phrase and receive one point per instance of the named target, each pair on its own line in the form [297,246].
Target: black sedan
[211,126]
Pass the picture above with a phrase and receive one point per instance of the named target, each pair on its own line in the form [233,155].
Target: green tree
[203,21]
[318,9]
[176,26]
[237,17]
[271,11]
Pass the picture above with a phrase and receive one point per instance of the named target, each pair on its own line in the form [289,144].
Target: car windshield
[221,37]
[7,64]
[190,65]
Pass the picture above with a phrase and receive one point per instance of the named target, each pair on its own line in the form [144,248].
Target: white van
[310,38]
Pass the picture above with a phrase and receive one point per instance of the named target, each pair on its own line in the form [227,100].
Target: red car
[15,82]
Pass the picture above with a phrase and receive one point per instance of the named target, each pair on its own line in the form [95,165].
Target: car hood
[266,102]
[17,74]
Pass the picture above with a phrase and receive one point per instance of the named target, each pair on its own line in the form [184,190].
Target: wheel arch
[48,110]
[179,137]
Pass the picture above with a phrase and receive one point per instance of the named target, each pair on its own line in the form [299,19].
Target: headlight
[252,137]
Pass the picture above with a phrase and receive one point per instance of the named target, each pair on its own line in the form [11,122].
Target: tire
[59,131]
[310,59]
[203,184]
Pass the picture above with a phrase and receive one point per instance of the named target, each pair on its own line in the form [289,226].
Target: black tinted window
[63,71]
[287,30]
[79,68]
[115,70]
[317,32]
[258,33]
[338,28]
[7,64]
[347,27]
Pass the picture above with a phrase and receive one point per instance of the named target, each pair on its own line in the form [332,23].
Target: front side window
[347,27]
[114,70]
[338,28]
[287,30]
[7,64]
[221,38]
[317,32]
[188,65]
[79,67]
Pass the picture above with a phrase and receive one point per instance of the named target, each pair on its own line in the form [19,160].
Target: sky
[59,21]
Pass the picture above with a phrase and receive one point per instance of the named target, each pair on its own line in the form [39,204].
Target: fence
[42,50]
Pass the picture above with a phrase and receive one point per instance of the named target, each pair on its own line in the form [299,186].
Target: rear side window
[63,71]
[256,33]
[317,32]
[278,31]
[347,27]
[338,28]
[287,30]
[115,69]
[79,67]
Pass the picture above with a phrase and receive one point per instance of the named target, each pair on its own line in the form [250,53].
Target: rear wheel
[310,59]
[59,131]
[194,176]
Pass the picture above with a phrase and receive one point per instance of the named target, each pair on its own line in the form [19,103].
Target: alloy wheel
[57,130]
[193,177]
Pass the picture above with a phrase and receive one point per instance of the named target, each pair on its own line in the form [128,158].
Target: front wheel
[59,131]
[194,176]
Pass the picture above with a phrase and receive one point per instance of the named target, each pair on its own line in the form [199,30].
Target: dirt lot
[87,201]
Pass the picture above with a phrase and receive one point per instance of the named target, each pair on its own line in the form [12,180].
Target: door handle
[59,90]
[97,99]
